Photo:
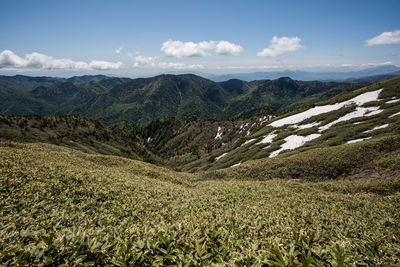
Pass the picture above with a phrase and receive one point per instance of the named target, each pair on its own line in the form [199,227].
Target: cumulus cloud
[9,59]
[181,49]
[119,49]
[145,61]
[140,60]
[279,46]
[226,48]
[384,38]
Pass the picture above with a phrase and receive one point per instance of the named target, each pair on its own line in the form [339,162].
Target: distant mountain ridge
[308,76]
[112,100]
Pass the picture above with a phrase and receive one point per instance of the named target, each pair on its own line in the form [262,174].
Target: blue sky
[72,37]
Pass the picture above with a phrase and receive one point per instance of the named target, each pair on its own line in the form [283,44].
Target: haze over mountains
[391,70]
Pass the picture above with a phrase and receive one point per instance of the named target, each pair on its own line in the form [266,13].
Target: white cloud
[39,61]
[104,65]
[179,65]
[119,49]
[144,61]
[278,46]
[346,65]
[384,39]
[181,49]
[377,64]
[226,48]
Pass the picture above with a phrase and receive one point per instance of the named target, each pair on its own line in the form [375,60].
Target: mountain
[191,144]
[22,84]
[79,133]
[306,76]
[87,78]
[113,100]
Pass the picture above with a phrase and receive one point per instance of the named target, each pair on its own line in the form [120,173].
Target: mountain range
[113,100]
[391,70]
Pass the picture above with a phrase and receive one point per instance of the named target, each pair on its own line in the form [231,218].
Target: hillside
[191,144]
[318,186]
[79,133]
[112,100]
[370,112]
[62,206]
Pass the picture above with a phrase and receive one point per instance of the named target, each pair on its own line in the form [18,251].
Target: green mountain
[113,100]
[79,133]
[317,186]
[191,144]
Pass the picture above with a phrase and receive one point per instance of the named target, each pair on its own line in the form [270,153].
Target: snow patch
[393,115]
[294,141]
[219,134]
[359,112]
[357,140]
[299,117]
[221,156]
[268,139]
[393,101]
[248,141]
[235,165]
[377,128]
[306,126]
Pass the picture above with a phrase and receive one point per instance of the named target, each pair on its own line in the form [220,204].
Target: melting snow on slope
[396,114]
[268,139]
[219,134]
[221,156]
[377,128]
[393,101]
[237,164]
[248,141]
[359,112]
[306,126]
[294,141]
[296,118]
[357,140]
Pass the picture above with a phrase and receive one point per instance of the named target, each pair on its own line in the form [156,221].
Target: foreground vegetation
[62,206]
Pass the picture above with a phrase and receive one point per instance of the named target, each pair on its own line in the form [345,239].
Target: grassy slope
[80,133]
[338,134]
[62,206]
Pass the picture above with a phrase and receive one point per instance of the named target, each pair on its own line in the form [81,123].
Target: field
[60,206]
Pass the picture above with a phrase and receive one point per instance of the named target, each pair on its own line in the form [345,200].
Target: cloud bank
[9,59]
[144,61]
[385,38]
[181,49]
[279,46]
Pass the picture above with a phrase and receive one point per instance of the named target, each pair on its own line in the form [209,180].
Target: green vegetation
[80,133]
[62,206]
[113,100]
[76,192]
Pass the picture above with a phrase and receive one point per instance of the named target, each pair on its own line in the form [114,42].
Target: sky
[134,38]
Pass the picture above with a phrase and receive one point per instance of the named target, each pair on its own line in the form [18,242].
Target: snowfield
[377,128]
[357,140]
[299,117]
[359,112]
[268,139]
[294,141]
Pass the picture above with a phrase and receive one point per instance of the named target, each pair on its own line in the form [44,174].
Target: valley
[316,182]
